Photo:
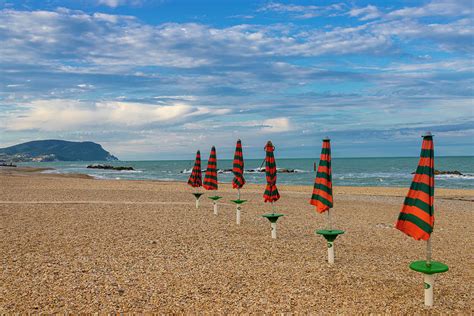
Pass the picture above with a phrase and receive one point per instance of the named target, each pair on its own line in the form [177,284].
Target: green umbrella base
[330,234]
[197,195]
[435,267]
[215,198]
[273,217]
[239,201]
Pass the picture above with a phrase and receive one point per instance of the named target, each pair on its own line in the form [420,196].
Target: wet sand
[72,244]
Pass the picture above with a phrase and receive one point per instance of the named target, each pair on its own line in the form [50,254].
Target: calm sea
[393,172]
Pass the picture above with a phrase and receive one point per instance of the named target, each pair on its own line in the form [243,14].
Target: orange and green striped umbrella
[195,179]
[238,167]
[322,191]
[416,218]
[210,179]
[271,192]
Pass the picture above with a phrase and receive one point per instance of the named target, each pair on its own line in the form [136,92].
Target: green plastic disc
[273,217]
[215,198]
[330,234]
[197,195]
[238,201]
[433,268]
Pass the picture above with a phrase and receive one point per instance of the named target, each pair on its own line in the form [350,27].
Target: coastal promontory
[55,150]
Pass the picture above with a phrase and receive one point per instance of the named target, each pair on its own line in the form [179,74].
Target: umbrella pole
[330,243]
[237,212]
[215,207]
[428,252]
[428,278]
[328,217]
[274,224]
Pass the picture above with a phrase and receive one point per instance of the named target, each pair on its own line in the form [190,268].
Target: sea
[376,172]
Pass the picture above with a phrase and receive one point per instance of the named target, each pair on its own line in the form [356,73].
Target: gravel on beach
[71,244]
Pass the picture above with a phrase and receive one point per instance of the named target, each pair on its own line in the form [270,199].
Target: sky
[159,79]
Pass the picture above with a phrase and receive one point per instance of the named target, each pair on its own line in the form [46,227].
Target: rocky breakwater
[109,167]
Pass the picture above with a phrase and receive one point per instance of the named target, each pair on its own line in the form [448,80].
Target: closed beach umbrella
[416,218]
[238,181]
[271,192]
[238,167]
[322,196]
[195,179]
[210,179]
[322,191]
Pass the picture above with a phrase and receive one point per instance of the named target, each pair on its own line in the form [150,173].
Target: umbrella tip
[428,133]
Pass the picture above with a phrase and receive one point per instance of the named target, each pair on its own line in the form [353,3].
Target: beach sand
[73,244]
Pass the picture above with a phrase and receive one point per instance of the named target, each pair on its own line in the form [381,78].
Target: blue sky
[152,79]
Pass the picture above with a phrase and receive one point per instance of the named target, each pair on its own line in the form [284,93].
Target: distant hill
[55,150]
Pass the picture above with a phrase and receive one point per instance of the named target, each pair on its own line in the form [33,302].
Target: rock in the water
[438,172]
[109,167]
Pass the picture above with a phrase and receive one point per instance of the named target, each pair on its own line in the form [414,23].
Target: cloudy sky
[151,79]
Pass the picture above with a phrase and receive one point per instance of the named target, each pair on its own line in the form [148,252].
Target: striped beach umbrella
[238,181]
[416,218]
[195,179]
[322,197]
[238,167]
[210,179]
[322,190]
[271,192]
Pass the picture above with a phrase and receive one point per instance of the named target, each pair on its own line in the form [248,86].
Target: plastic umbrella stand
[273,218]
[429,269]
[197,196]
[330,235]
[214,202]
[238,210]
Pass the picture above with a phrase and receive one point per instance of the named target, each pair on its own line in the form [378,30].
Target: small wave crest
[466,176]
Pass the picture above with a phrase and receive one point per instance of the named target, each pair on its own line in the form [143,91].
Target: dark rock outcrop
[438,172]
[109,167]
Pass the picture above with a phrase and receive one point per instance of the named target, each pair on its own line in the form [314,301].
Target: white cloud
[276,125]
[76,42]
[436,8]
[116,3]
[369,12]
[303,11]
[59,114]
[85,86]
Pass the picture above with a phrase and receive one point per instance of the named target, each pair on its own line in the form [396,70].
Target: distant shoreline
[362,190]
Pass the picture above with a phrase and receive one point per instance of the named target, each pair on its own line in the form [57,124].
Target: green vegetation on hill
[55,150]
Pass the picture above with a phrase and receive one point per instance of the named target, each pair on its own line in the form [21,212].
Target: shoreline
[356,190]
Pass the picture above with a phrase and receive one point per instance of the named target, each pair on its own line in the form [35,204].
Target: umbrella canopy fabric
[322,190]
[195,179]
[210,179]
[416,218]
[271,192]
[238,167]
